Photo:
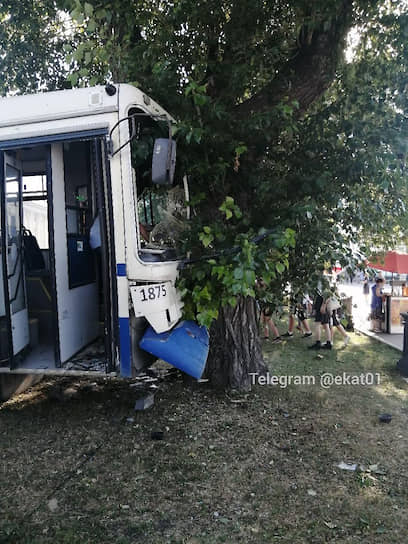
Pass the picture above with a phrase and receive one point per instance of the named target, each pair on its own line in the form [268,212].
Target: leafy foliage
[275,129]
[31,46]
[217,279]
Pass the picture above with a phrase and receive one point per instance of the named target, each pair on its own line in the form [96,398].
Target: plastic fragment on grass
[144,403]
[347,466]
[53,505]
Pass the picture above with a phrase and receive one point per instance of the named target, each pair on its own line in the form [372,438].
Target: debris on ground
[147,384]
[70,392]
[53,505]
[94,365]
[145,402]
[375,469]
[347,466]
[157,435]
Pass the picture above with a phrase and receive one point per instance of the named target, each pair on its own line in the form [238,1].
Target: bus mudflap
[185,347]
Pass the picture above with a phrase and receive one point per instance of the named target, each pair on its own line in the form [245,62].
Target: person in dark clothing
[267,310]
[376,314]
[322,319]
[297,309]
[268,324]
[366,287]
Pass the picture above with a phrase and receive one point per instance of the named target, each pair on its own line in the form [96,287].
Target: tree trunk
[309,73]
[235,347]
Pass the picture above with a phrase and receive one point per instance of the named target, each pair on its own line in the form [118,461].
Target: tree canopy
[279,132]
[32,35]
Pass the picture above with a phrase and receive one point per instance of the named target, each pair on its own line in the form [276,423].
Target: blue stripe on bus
[121,269]
[124,336]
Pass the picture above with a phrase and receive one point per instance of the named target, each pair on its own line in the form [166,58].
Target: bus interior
[56,291]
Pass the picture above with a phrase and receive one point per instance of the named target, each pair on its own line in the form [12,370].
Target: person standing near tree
[366,287]
[269,325]
[333,304]
[377,315]
[322,320]
[267,310]
[297,309]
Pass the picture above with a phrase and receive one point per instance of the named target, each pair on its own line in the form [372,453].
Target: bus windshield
[162,209]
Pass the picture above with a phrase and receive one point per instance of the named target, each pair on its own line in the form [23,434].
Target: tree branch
[308,74]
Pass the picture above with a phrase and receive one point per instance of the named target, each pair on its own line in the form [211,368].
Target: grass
[78,465]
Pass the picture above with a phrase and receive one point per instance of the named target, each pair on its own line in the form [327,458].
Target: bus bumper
[185,347]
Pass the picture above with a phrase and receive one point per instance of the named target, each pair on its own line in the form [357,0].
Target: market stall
[396,296]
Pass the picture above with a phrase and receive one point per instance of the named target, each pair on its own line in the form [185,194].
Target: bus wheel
[13,384]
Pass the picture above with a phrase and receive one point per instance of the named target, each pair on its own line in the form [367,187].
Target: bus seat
[33,258]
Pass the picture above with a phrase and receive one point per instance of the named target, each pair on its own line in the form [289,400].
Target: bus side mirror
[164,161]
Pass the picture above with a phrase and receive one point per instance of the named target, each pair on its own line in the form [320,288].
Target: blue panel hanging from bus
[185,347]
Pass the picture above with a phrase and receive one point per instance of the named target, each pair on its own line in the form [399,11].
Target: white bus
[89,213]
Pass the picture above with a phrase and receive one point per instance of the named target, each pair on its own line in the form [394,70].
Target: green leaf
[198,134]
[88,8]
[74,78]
[280,268]
[206,239]
[91,26]
[200,99]
[250,277]
[239,150]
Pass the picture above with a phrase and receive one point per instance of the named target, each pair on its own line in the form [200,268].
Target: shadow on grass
[79,465]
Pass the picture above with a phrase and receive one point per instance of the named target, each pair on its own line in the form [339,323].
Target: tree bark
[235,347]
[310,72]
